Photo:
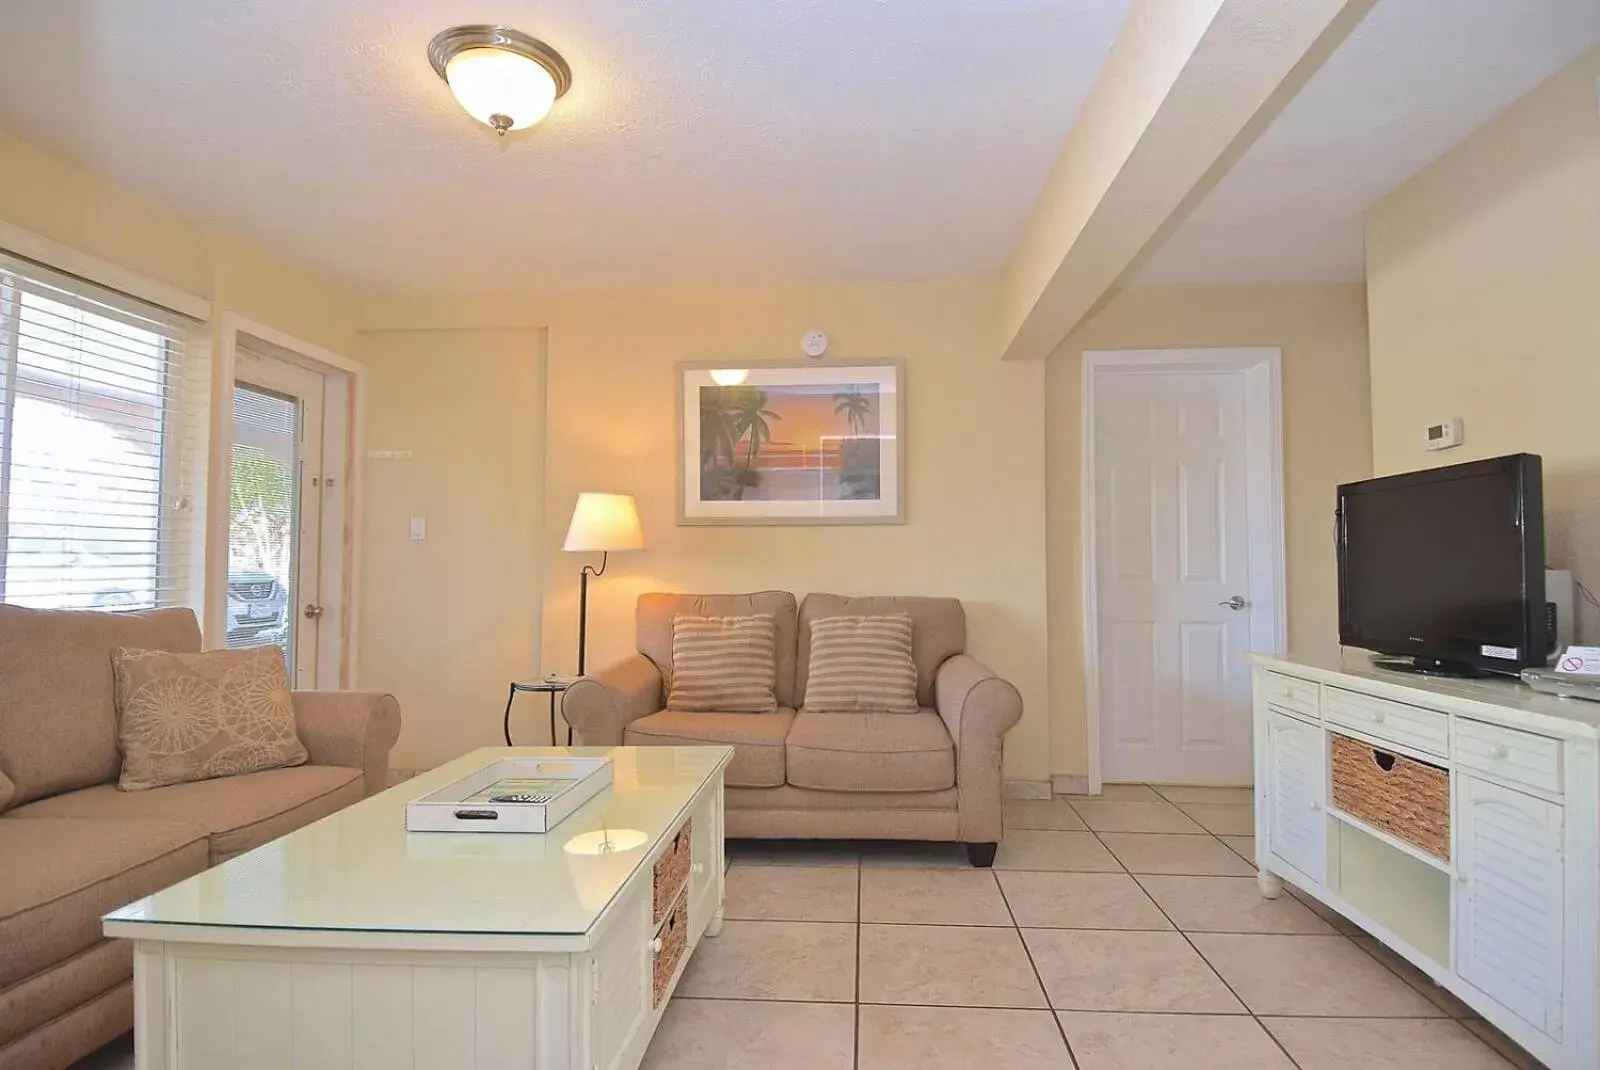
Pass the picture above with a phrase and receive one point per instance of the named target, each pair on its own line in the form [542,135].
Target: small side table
[551,685]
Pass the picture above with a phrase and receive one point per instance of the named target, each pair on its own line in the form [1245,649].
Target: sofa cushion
[938,631]
[184,717]
[756,739]
[871,752]
[58,715]
[237,813]
[654,629]
[861,665]
[61,875]
[723,664]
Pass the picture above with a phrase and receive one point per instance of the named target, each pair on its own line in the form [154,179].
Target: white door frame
[345,405]
[1269,619]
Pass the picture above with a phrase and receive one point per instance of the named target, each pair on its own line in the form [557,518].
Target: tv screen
[1446,565]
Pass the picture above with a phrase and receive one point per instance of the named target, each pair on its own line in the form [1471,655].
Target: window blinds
[103,403]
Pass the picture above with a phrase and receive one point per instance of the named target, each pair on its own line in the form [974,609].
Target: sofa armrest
[356,729]
[599,706]
[978,708]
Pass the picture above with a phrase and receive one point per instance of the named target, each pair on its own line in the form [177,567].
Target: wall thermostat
[813,343]
[1443,436]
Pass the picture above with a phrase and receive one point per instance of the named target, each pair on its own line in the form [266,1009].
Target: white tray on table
[474,803]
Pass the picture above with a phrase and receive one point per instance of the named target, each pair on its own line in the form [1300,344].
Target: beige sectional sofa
[73,847]
[812,774]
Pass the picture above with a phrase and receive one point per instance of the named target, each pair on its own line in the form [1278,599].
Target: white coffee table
[354,944]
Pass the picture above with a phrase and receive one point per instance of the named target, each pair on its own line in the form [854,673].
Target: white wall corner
[1025,789]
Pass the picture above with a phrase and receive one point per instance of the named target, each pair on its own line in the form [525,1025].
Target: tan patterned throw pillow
[724,664]
[183,717]
[861,665]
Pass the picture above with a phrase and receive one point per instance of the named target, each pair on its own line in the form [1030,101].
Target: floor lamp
[600,524]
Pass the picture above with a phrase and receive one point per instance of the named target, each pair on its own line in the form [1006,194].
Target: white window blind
[102,446]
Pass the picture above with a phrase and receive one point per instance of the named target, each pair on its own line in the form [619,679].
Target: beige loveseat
[812,774]
[73,847]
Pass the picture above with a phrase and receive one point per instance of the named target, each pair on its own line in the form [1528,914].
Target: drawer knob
[1500,751]
[1378,717]
[655,946]
[1314,805]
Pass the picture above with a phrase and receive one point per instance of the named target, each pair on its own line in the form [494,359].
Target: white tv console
[1510,923]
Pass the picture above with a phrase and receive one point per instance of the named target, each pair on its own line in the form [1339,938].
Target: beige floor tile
[1243,846]
[1121,793]
[1135,816]
[1080,901]
[1379,1044]
[1170,1042]
[1510,1049]
[1054,814]
[1180,793]
[791,893]
[794,852]
[1318,975]
[1197,856]
[1097,970]
[932,897]
[785,960]
[1439,997]
[934,965]
[914,855]
[712,1034]
[959,1038]
[1229,905]
[1077,852]
[1223,819]
[1322,910]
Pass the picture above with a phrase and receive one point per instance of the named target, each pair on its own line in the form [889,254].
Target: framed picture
[793,443]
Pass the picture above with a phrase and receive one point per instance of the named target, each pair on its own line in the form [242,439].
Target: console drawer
[1509,754]
[1290,694]
[1395,722]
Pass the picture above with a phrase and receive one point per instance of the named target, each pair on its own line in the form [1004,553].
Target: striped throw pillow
[723,664]
[861,664]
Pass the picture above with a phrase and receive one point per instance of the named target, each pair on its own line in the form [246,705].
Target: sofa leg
[982,854]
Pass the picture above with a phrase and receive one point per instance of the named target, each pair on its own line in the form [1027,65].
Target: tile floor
[1118,933]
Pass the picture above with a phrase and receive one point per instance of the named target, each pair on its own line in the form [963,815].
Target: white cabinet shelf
[1511,925]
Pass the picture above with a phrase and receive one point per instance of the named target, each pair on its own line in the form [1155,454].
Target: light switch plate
[419,529]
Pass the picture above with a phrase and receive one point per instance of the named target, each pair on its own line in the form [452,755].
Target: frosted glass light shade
[604,522]
[729,376]
[491,82]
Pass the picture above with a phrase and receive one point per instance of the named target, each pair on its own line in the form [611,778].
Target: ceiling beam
[1187,86]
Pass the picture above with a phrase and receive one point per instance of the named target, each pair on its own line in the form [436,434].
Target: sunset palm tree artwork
[789,442]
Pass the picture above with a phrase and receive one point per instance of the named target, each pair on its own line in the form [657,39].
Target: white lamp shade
[494,81]
[604,522]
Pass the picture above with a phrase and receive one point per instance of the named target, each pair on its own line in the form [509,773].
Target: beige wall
[1483,277]
[1322,333]
[974,449]
[446,623]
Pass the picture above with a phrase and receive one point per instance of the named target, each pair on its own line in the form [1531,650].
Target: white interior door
[1174,587]
[275,530]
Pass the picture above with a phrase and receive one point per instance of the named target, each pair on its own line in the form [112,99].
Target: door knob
[312,612]
[1235,603]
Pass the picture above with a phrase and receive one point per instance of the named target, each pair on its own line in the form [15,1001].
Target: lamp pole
[583,606]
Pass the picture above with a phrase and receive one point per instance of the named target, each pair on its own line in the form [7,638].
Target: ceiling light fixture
[502,77]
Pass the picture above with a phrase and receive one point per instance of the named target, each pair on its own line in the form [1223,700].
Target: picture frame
[793,442]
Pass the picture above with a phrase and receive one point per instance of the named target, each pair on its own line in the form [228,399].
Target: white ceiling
[702,139]
[1415,78]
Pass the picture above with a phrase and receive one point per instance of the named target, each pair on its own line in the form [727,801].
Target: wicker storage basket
[1408,799]
[674,937]
[672,871]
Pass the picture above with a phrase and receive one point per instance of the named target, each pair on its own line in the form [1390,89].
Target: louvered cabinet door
[1298,828]
[1508,904]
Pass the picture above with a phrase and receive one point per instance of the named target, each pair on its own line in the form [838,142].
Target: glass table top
[360,870]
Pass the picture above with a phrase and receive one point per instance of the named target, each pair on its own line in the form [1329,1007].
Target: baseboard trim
[1025,789]
[1069,784]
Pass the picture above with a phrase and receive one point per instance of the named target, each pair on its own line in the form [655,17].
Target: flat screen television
[1446,567]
